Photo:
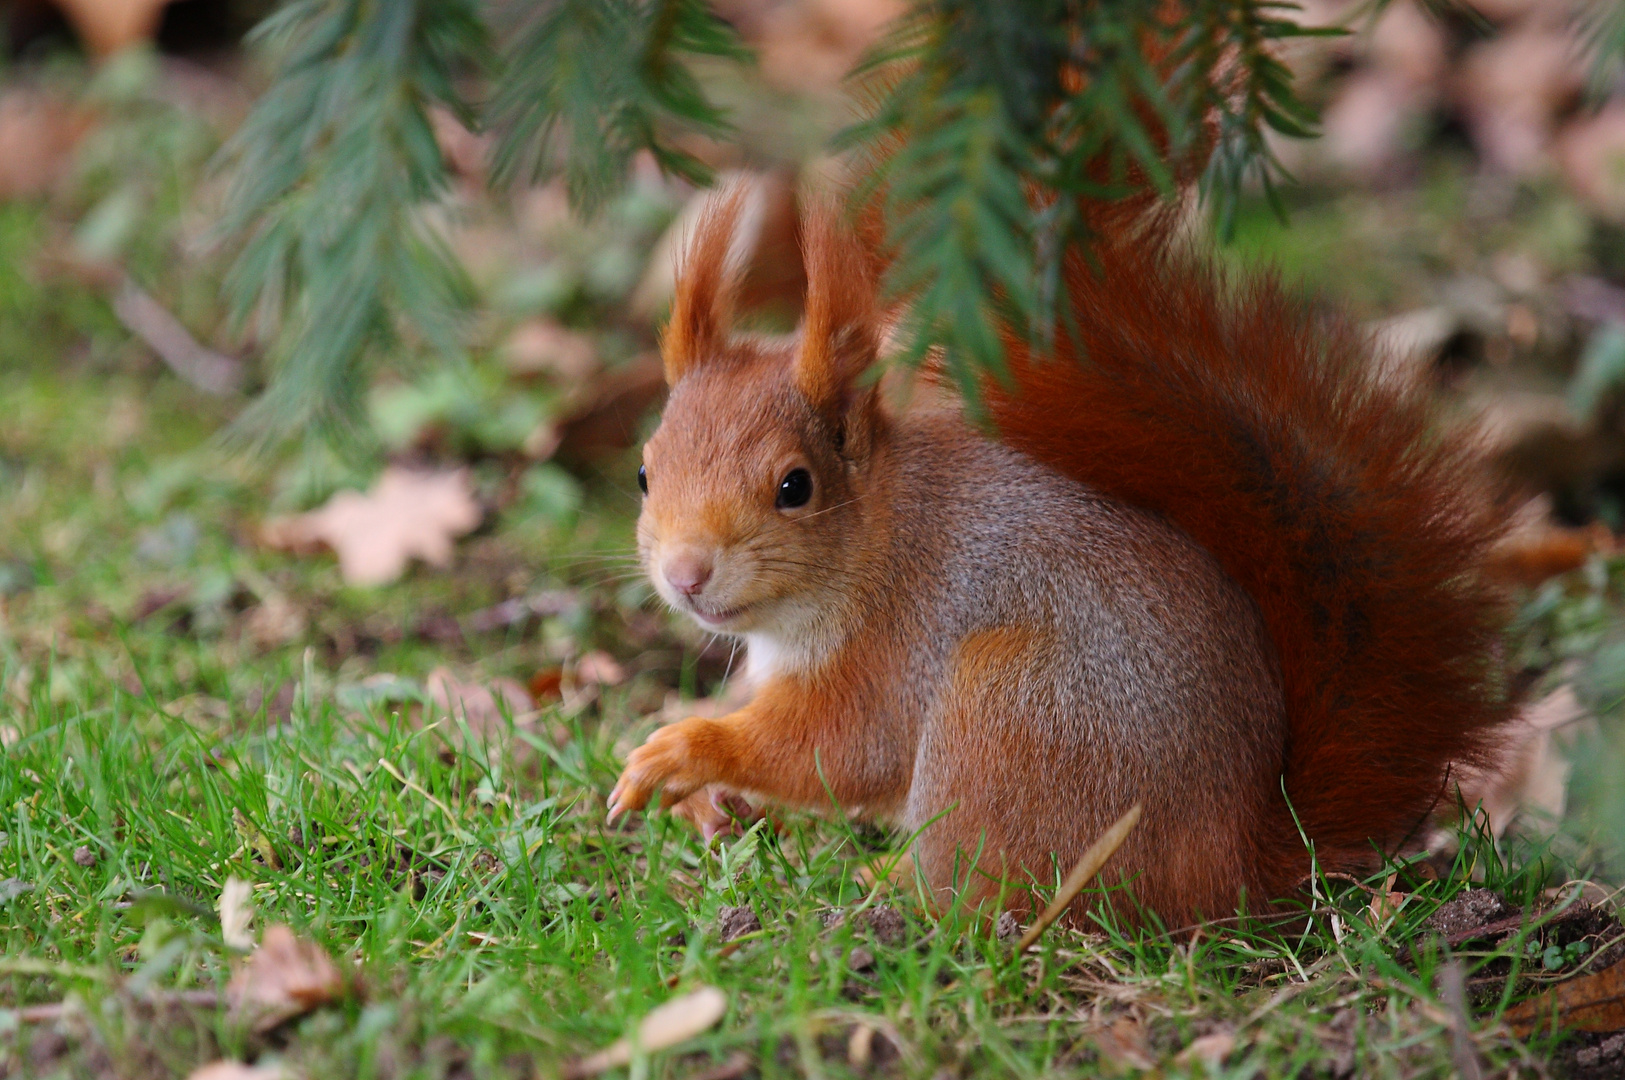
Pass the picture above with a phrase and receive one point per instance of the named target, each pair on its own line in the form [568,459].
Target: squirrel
[1203,559]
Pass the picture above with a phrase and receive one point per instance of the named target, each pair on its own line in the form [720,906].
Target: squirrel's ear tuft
[707,273]
[840,331]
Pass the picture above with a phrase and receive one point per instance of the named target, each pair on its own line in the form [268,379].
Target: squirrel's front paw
[671,761]
[716,811]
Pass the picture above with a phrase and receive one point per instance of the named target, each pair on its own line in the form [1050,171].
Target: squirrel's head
[754,482]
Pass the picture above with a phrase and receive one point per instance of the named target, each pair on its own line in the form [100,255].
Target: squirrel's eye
[643,479]
[794,490]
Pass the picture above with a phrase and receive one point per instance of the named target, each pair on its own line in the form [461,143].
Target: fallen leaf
[38,133]
[479,705]
[1535,547]
[542,346]
[284,978]
[407,514]
[601,668]
[1124,1043]
[1365,124]
[1531,775]
[1591,153]
[1453,995]
[667,1025]
[547,684]
[609,422]
[1385,903]
[1588,1003]
[274,622]
[1512,86]
[235,1070]
[463,150]
[236,910]
[1409,43]
[1208,1050]
[110,25]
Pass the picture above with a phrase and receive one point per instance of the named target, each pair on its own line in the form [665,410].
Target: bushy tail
[1223,403]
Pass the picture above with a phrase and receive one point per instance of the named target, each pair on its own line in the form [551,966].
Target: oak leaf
[286,977]
[407,514]
[1589,1003]
[106,26]
[678,1020]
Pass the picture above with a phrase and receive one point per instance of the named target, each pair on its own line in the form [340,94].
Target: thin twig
[1453,993]
[202,367]
[1087,868]
[27,965]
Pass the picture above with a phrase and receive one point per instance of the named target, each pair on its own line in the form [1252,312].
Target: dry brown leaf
[542,346]
[38,133]
[1511,88]
[407,514]
[1591,152]
[275,622]
[227,1069]
[106,26]
[676,1021]
[236,908]
[608,423]
[601,668]
[464,151]
[1365,125]
[1531,775]
[481,706]
[1125,1044]
[1588,1003]
[284,978]
[1408,345]
[1535,547]
[1410,43]
[809,46]
[1385,903]
[1208,1050]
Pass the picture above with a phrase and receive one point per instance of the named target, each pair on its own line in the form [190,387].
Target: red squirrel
[1203,560]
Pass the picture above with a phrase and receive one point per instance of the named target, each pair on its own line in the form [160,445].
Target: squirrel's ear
[840,332]
[707,275]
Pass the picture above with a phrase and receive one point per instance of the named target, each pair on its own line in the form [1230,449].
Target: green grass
[496,922]
[495,925]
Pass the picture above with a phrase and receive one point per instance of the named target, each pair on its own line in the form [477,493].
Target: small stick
[209,371]
[1087,868]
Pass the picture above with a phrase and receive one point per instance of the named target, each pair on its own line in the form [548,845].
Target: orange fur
[1283,551]
[1359,527]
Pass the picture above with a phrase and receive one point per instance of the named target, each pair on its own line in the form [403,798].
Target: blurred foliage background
[384,227]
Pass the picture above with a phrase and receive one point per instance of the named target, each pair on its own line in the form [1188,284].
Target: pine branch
[331,174]
[1002,119]
[590,83]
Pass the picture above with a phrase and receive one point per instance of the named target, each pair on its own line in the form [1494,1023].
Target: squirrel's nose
[688,571]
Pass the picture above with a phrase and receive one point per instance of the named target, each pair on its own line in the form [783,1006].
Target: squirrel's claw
[665,762]
[715,812]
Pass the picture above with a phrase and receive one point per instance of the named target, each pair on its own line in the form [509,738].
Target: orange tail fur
[1226,405]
